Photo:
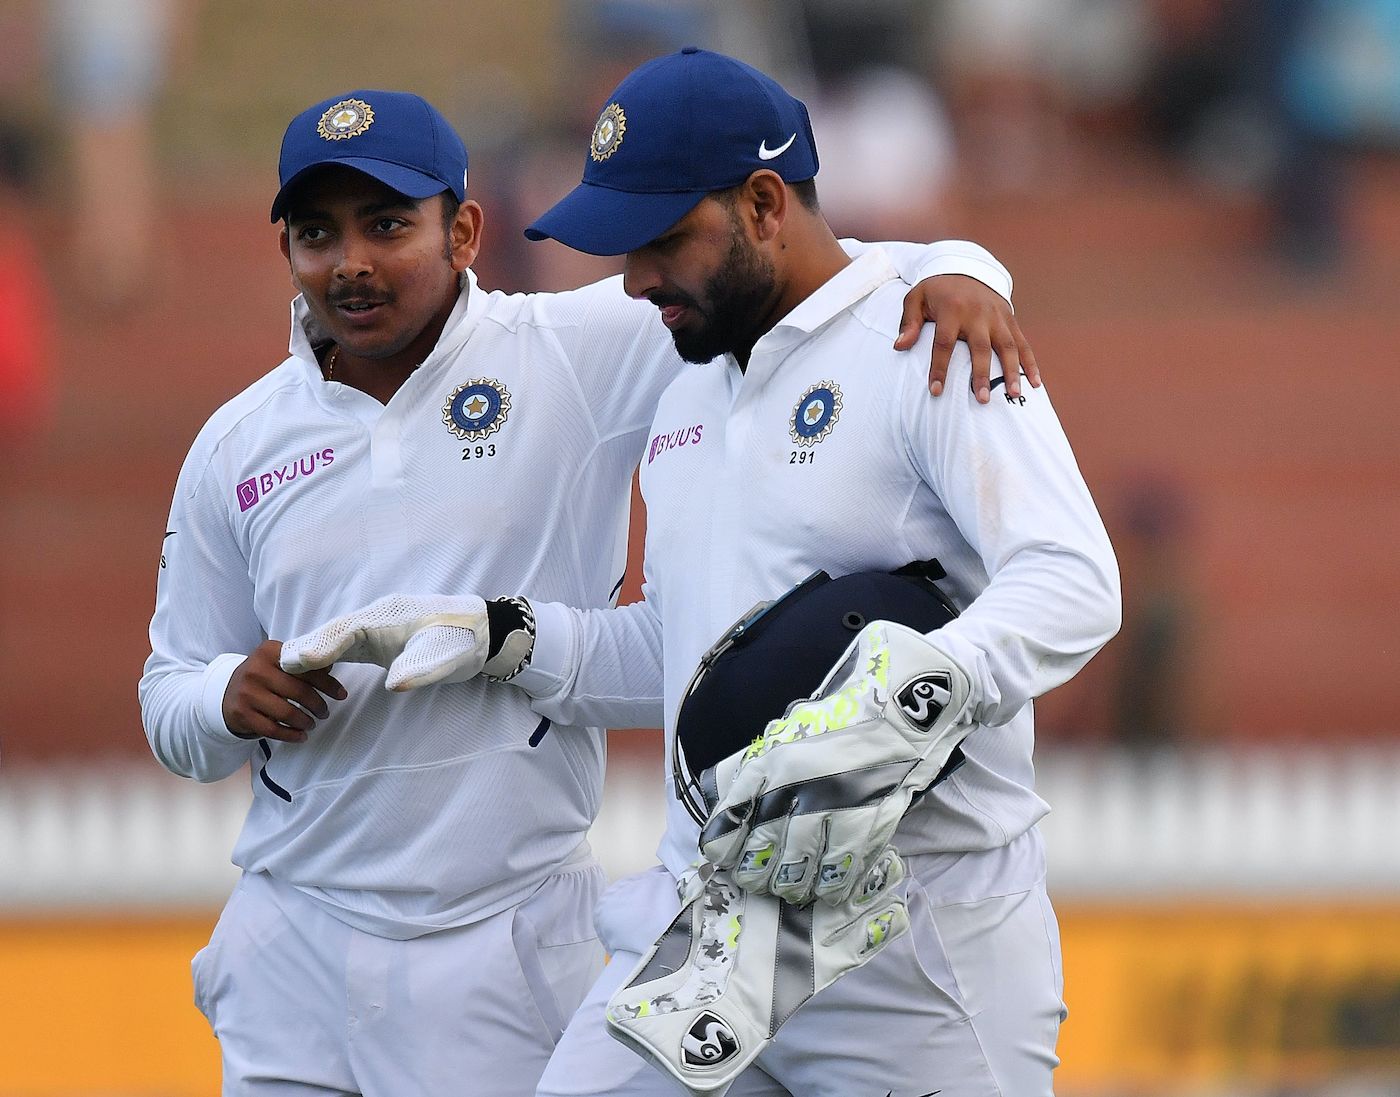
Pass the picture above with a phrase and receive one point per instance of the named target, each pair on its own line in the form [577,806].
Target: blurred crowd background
[1200,203]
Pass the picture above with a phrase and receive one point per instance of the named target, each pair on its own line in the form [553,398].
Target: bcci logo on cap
[607,134]
[348,118]
[709,1042]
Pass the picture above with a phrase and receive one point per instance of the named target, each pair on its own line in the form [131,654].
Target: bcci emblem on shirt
[477,409]
[816,413]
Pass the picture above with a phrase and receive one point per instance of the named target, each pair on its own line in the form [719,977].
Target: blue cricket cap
[394,136]
[676,129]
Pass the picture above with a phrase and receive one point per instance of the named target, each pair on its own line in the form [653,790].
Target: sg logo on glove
[709,1042]
[924,698]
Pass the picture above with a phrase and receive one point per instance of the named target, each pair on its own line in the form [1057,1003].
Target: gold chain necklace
[330,362]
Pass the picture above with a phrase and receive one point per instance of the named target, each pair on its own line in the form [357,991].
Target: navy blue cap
[394,136]
[676,129]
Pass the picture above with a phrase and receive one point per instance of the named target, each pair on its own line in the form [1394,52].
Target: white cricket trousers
[306,1005]
[967,1004]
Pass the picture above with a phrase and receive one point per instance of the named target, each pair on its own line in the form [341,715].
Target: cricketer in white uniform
[811,450]
[415,913]
[815,454]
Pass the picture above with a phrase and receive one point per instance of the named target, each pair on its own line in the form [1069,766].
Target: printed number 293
[474,453]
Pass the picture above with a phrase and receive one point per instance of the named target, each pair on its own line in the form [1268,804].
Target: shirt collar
[854,282]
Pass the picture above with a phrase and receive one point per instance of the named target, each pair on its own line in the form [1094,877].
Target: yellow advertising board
[1187,998]
[1173,1000]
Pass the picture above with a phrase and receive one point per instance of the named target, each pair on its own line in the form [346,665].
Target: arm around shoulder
[915,262]
[617,349]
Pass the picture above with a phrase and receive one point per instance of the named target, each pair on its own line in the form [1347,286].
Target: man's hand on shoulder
[963,308]
[263,701]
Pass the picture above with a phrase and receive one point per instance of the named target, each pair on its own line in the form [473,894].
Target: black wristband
[504,617]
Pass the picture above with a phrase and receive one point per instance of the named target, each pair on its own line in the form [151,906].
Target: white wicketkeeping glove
[712,992]
[810,803]
[423,640]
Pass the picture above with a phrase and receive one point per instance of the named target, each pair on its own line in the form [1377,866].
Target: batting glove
[714,989]
[423,641]
[817,797]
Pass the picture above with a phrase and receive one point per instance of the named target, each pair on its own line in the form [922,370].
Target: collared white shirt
[828,453]
[502,464]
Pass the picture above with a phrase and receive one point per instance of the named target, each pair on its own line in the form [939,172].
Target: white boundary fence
[1245,823]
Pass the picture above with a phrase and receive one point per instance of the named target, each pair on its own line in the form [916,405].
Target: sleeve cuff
[985,696]
[966,258]
[211,698]
[548,668]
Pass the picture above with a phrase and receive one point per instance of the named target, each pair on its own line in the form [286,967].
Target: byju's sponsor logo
[256,488]
[247,493]
[687,436]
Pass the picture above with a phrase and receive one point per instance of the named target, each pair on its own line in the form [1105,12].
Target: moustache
[665,300]
[340,300]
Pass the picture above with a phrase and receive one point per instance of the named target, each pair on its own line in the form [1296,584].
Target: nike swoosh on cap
[765,153]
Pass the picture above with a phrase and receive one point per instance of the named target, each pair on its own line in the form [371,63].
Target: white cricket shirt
[502,466]
[828,452]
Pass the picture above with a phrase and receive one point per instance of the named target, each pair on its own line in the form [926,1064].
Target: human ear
[465,235]
[767,198]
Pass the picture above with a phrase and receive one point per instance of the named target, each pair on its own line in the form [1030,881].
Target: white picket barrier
[1176,825]
[1234,822]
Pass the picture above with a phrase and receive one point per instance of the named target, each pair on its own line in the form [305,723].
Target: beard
[737,298]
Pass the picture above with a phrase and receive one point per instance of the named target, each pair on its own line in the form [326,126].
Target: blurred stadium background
[1200,202]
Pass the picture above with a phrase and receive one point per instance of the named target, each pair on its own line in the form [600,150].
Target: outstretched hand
[262,701]
[422,641]
[962,308]
[379,632]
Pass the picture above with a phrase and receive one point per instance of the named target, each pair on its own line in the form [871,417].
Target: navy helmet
[781,651]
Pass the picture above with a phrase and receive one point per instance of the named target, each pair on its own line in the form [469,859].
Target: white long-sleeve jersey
[827,453]
[502,465]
